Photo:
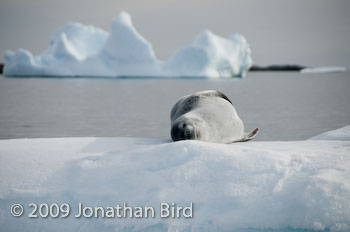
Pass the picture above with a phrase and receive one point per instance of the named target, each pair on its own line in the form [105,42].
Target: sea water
[283,105]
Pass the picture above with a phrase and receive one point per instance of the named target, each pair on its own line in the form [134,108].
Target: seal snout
[182,131]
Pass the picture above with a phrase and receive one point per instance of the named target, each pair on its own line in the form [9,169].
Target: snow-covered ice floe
[325,69]
[78,50]
[253,186]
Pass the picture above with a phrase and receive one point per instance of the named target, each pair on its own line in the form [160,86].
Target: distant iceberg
[78,50]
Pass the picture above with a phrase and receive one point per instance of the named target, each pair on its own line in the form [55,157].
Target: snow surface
[342,134]
[252,186]
[78,50]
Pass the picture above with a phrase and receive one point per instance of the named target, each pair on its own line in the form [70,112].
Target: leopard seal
[207,116]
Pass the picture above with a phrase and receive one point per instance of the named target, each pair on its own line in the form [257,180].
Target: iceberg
[256,186]
[214,56]
[78,50]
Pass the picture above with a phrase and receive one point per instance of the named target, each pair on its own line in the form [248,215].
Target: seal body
[207,116]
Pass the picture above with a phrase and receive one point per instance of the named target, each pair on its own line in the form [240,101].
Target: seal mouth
[183,131]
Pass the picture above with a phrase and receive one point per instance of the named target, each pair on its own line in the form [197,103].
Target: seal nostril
[181,134]
[183,131]
[189,132]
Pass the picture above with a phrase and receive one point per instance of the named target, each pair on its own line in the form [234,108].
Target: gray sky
[309,32]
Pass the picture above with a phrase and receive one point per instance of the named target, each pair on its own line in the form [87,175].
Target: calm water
[284,105]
